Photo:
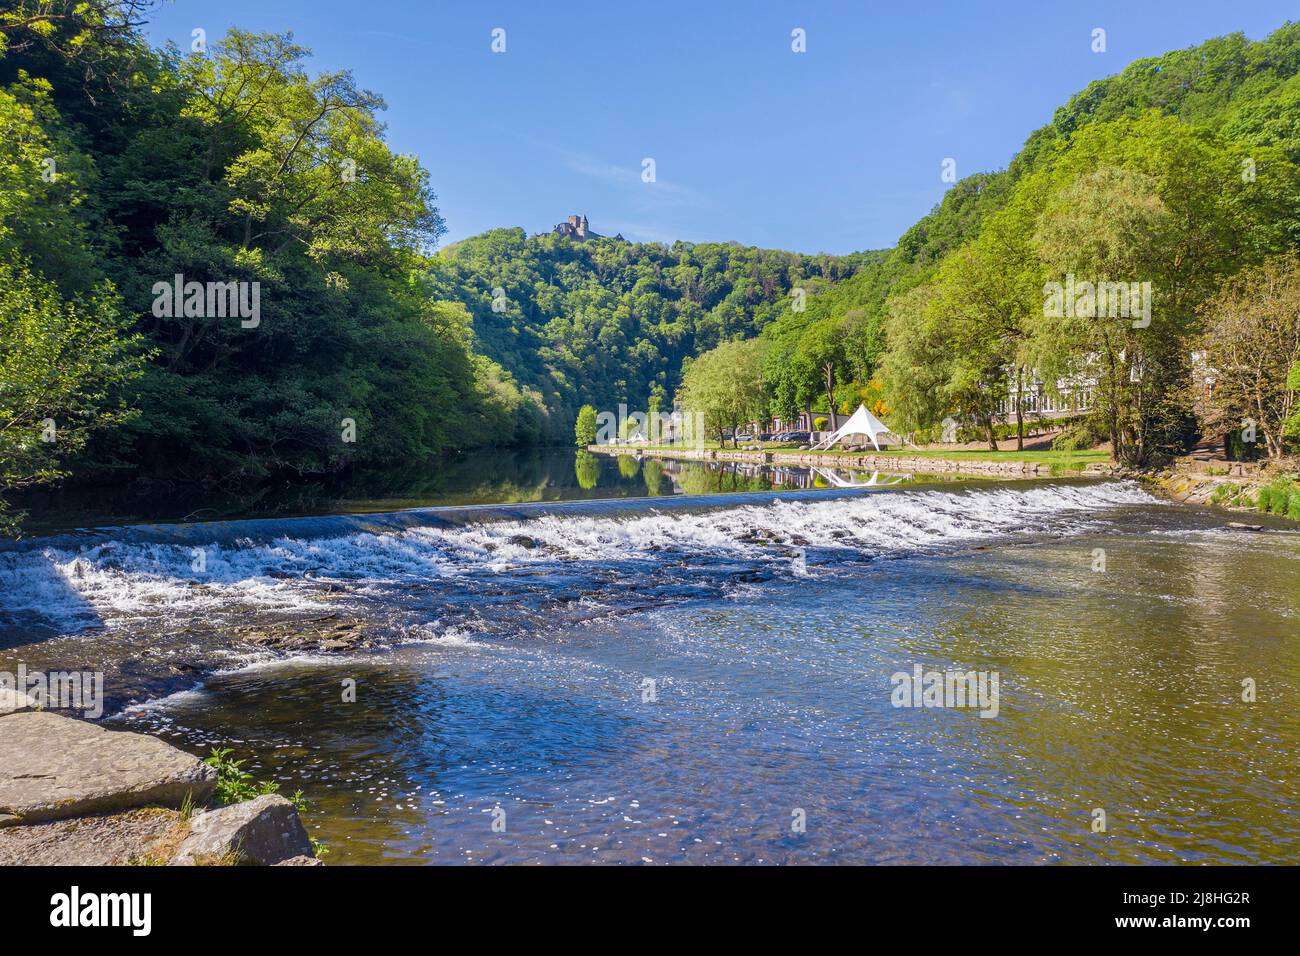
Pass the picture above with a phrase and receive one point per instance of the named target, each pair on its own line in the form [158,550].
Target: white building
[1073,395]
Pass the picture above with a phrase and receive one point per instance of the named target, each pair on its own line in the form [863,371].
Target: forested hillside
[1180,173]
[327,330]
[123,167]
[1249,91]
[607,321]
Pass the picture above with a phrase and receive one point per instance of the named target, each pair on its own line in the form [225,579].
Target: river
[644,662]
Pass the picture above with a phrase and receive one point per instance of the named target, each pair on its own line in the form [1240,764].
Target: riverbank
[74,793]
[1231,485]
[1018,465]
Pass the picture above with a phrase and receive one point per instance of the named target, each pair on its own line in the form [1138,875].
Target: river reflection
[480,477]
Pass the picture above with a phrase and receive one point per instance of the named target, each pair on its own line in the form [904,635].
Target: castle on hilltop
[575,227]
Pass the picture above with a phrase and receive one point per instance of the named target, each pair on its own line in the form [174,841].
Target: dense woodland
[606,321]
[122,166]
[1181,172]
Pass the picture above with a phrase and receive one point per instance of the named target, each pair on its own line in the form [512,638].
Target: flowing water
[691,677]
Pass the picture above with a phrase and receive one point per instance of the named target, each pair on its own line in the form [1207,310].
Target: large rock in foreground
[265,832]
[54,767]
[142,835]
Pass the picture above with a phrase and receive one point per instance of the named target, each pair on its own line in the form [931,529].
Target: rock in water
[54,767]
[265,832]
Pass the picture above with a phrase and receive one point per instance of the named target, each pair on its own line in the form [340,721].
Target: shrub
[1282,497]
[1224,493]
[1077,435]
[234,783]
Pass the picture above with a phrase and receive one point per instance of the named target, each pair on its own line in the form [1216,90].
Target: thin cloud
[646,196]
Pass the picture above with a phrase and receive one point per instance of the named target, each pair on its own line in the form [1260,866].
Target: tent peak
[861,422]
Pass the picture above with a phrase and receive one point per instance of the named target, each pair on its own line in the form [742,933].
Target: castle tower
[575,227]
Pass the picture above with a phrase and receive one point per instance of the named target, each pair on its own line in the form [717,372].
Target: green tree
[585,429]
[955,343]
[1154,200]
[62,363]
[916,364]
[821,356]
[726,385]
[1106,227]
[1252,344]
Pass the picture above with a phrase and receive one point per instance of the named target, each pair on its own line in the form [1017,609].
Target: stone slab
[54,767]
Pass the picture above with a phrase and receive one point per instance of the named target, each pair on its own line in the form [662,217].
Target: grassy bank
[1068,460]
[1061,459]
[1279,497]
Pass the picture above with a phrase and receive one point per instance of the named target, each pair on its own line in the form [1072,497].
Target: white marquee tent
[861,422]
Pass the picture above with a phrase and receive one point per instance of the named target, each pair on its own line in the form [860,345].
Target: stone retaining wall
[859,460]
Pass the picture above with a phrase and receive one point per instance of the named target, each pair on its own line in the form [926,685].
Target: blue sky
[836,149]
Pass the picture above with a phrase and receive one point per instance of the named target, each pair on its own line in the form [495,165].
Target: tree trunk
[1020,413]
[830,396]
[993,437]
[1112,412]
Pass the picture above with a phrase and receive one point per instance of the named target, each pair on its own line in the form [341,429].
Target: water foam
[71,588]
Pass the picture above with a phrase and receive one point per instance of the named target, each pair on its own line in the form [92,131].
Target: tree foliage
[606,321]
[123,166]
[1252,346]
[585,427]
[62,363]
[726,385]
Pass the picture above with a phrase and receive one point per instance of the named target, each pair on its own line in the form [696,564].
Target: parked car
[794,437]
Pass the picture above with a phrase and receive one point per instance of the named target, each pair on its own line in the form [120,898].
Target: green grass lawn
[1064,460]
[1047,457]
[1073,460]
